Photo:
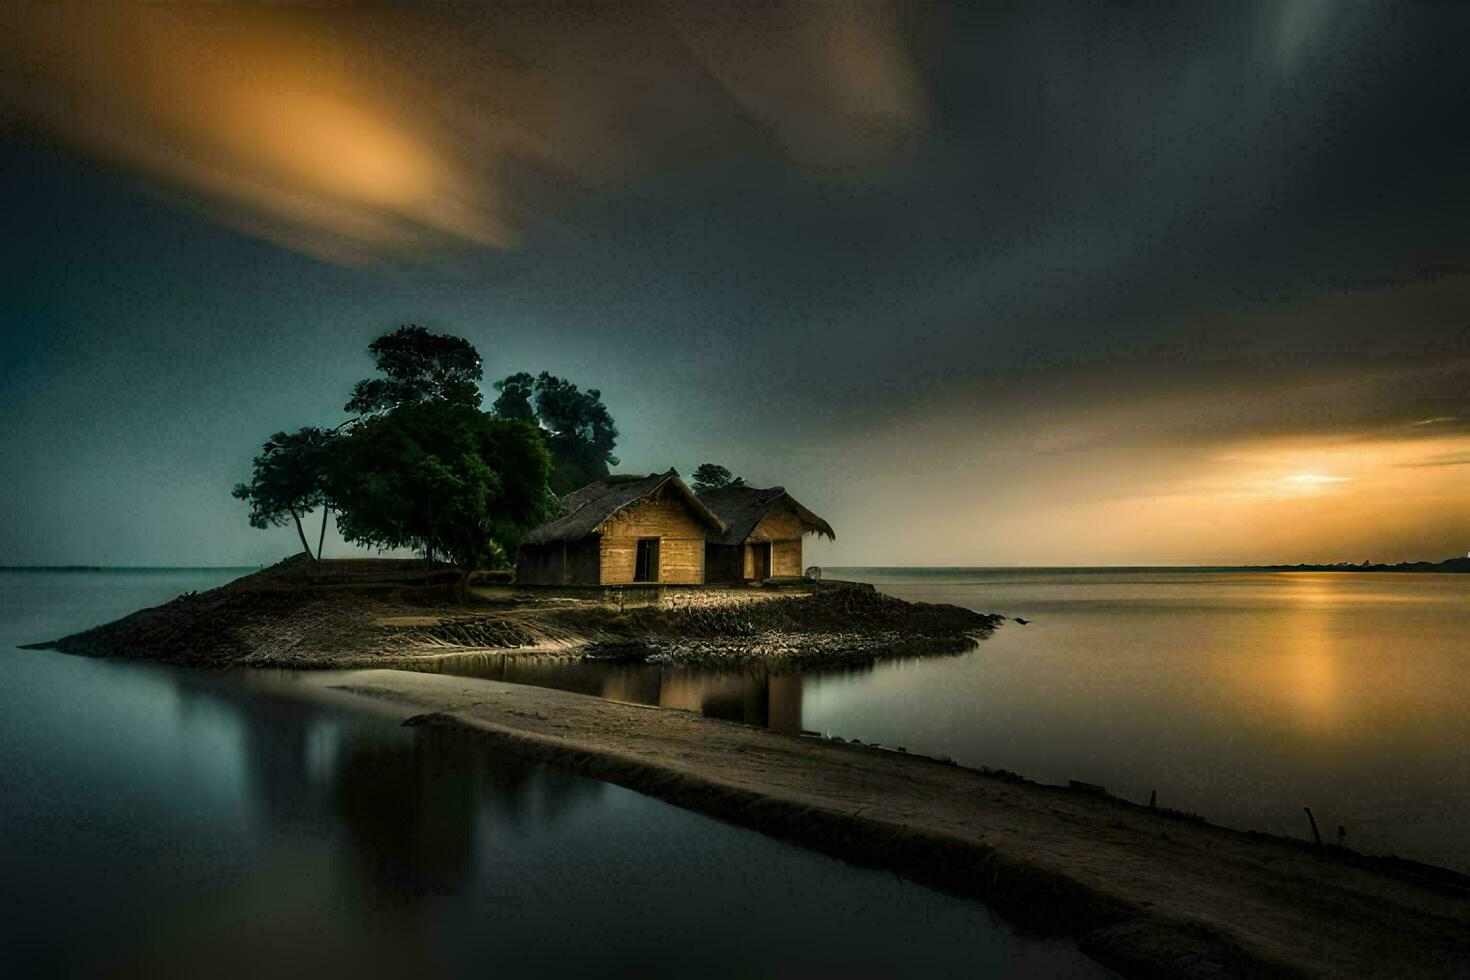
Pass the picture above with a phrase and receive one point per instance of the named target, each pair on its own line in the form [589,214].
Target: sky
[1021,284]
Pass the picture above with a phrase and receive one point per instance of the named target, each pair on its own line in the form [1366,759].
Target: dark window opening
[646,567]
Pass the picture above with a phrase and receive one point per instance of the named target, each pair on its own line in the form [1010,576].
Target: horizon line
[74,567]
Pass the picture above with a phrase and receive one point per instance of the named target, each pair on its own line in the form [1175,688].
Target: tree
[579,430]
[514,401]
[442,477]
[419,366]
[713,476]
[289,482]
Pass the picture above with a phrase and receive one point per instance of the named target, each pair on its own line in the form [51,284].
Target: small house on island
[763,534]
[630,530]
[621,531]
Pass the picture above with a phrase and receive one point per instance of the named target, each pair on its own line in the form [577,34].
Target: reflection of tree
[413,807]
[410,820]
[410,800]
[277,739]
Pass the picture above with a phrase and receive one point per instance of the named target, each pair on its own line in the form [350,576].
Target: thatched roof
[741,508]
[587,509]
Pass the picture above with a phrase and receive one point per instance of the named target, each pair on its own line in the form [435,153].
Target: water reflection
[411,802]
[754,697]
[166,823]
[1306,669]
[1240,696]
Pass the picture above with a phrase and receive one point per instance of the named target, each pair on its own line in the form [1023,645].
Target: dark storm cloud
[818,242]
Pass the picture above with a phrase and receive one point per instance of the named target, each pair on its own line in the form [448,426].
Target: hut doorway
[645,568]
[760,561]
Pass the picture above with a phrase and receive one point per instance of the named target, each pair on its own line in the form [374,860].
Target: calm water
[1242,697]
[160,822]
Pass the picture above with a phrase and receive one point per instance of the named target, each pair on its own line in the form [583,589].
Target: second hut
[762,536]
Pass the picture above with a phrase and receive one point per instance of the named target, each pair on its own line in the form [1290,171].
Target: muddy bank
[357,613]
[1147,892]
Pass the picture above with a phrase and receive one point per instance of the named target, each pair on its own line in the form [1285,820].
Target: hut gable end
[663,515]
[781,523]
[596,540]
[585,510]
[747,509]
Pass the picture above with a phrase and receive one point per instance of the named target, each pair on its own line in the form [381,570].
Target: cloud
[362,132]
[256,115]
[1444,459]
[867,102]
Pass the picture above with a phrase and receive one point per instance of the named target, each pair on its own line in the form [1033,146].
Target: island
[408,613]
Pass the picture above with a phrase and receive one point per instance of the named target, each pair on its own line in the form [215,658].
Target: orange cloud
[359,132]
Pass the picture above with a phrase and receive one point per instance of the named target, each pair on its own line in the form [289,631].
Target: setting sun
[1314,480]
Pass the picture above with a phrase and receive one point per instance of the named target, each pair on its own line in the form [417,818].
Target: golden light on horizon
[1315,479]
[1384,495]
[1313,482]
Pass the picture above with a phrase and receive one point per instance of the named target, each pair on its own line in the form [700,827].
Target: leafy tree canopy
[289,480]
[578,427]
[713,476]
[441,477]
[418,366]
[514,401]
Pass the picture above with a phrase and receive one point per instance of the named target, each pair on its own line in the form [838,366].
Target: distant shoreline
[1448,566]
[1451,566]
[129,568]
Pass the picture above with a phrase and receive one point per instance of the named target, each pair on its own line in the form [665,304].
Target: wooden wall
[723,562]
[782,528]
[778,525]
[664,516]
[539,565]
[558,564]
[584,561]
[786,558]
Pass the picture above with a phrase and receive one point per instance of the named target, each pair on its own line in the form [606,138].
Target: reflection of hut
[620,531]
[752,698]
[784,703]
[763,534]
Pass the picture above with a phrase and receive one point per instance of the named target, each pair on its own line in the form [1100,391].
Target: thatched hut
[621,531]
[763,533]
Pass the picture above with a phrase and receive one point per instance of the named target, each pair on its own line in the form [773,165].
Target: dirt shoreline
[1146,892]
[384,613]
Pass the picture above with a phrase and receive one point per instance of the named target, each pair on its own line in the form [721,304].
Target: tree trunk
[464,584]
[323,536]
[302,535]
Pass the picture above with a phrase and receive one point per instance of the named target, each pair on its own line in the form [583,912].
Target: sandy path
[1144,892]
